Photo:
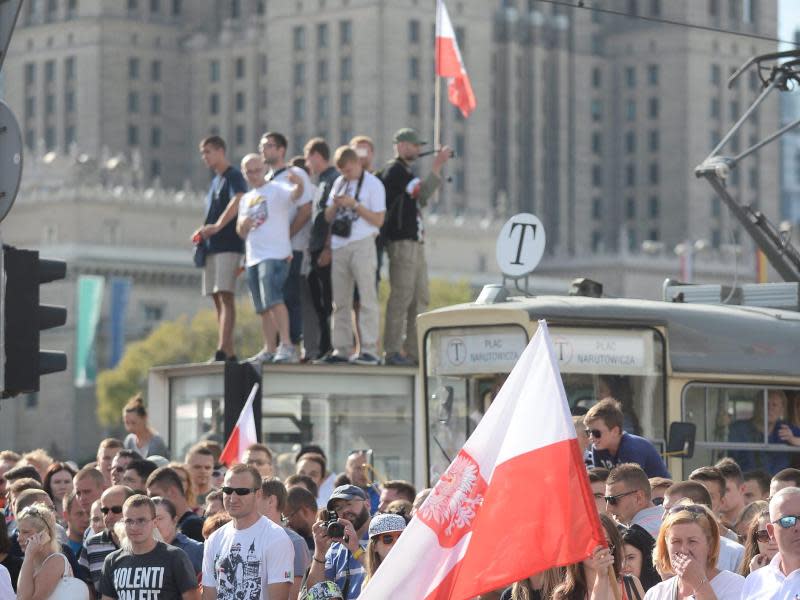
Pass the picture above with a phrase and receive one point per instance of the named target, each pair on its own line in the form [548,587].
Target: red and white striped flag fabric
[243,435]
[515,501]
[449,63]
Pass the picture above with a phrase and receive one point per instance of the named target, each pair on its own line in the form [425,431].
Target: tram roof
[702,338]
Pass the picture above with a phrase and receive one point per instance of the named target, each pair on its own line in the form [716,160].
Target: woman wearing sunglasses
[384,531]
[688,548]
[759,548]
[589,580]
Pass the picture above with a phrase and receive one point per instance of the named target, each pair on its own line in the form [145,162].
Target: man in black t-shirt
[146,568]
[223,246]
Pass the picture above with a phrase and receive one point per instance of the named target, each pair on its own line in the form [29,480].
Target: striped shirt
[94,552]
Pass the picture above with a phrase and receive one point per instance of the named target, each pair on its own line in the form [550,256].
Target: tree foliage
[193,340]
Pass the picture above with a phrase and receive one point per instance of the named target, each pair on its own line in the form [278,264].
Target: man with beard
[341,559]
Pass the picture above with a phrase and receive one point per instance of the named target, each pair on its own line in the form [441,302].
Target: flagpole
[437,97]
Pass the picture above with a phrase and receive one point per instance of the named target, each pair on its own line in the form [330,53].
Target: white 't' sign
[520,245]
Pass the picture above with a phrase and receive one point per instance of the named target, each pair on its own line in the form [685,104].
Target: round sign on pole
[10,159]
[520,245]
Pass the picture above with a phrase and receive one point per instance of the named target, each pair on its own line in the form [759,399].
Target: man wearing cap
[341,560]
[406,195]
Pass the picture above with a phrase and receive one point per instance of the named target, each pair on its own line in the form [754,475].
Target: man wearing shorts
[224,246]
[264,222]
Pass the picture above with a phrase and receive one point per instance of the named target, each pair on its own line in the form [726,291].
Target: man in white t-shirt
[250,557]
[263,223]
[355,208]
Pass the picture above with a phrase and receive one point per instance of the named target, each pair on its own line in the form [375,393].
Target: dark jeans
[291,296]
[319,284]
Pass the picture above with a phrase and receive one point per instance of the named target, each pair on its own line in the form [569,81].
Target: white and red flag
[515,501]
[243,435]
[449,63]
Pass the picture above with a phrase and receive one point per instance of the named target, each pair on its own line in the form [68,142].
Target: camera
[332,525]
[342,226]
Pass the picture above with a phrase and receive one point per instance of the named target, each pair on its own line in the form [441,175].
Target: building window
[155,6]
[236,9]
[322,71]
[597,241]
[630,208]
[322,107]
[299,73]
[155,137]
[715,108]
[322,35]
[597,110]
[213,70]
[654,208]
[30,73]
[633,240]
[413,68]
[69,136]
[655,8]
[72,9]
[653,235]
[299,38]
[654,174]
[653,108]
[654,140]
[153,312]
[413,104]
[133,68]
[133,135]
[50,71]
[155,168]
[133,102]
[345,104]
[652,74]
[240,70]
[413,31]
[630,142]
[155,104]
[299,109]
[734,109]
[133,6]
[630,175]
[630,77]
[30,107]
[176,8]
[597,142]
[32,400]
[69,101]
[240,135]
[346,69]
[630,111]
[597,175]
[345,32]
[716,74]
[30,139]
[49,104]
[155,70]
[213,104]
[597,207]
[713,8]
[754,177]
[597,77]
[262,101]
[69,68]
[239,102]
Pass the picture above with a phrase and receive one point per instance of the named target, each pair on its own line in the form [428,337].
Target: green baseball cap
[406,134]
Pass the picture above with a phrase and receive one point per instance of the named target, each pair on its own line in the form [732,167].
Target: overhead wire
[579,4]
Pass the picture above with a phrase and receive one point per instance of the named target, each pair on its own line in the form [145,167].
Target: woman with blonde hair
[141,437]
[688,548]
[384,531]
[591,579]
[44,576]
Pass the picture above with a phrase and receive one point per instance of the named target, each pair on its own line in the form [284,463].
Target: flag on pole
[243,435]
[515,501]
[449,63]
[90,303]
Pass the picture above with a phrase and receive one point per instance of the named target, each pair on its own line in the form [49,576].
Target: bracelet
[358,553]
[322,562]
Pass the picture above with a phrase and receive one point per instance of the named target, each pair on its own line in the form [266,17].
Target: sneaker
[331,358]
[219,356]
[365,358]
[285,354]
[395,359]
[264,356]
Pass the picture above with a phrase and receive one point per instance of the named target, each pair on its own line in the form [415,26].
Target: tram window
[735,420]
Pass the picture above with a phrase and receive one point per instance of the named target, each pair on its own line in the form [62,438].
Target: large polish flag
[243,435]
[449,63]
[515,501]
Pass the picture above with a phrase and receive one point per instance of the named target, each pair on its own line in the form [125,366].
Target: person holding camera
[355,209]
[339,539]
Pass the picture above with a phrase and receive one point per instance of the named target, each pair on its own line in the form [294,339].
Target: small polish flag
[243,435]
[515,501]
[449,63]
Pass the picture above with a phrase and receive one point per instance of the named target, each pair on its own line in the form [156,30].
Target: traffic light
[24,318]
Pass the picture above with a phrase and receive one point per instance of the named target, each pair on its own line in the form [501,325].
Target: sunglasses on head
[238,491]
[787,522]
[762,535]
[612,500]
[117,510]
[694,509]
[595,433]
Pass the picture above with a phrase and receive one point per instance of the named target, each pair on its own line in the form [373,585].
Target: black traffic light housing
[24,318]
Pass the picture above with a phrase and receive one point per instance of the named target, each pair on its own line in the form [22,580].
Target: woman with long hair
[46,573]
[58,482]
[384,531]
[759,547]
[688,548]
[141,437]
[535,587]
[637,555]
[591,579]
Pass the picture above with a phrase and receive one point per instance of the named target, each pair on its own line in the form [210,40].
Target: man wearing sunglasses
[101,544]
[612,446]
[628,499]
[250,557]
[781,577]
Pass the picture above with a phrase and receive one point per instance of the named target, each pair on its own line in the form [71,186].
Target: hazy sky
[789,18]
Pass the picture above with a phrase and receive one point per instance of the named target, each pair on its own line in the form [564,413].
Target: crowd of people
[310,232]
[133,524]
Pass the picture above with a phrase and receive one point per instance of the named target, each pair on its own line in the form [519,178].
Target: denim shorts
[266,281]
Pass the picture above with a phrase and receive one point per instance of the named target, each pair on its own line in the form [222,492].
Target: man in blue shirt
[341,560]
[613,446]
